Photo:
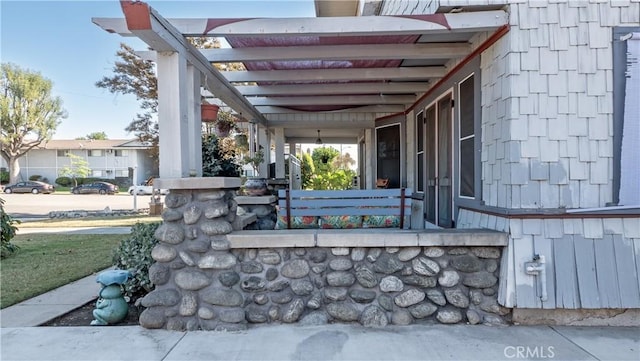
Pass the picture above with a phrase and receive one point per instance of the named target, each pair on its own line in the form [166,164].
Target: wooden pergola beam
[329,26]
[348,74]
[333,89]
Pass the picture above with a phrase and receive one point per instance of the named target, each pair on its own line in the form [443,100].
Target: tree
[344,161]
[29,114]
[133,75]
[78,168]
[94,136]
[307,169]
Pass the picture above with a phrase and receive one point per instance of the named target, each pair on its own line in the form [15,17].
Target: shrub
[4,176]
[219,157]
[134,254]
[9,229]
[63,181]
[35,177]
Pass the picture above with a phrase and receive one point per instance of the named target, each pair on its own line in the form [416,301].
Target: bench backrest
[359,202]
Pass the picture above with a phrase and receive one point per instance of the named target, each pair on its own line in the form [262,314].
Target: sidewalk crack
[571,341]
[174,346]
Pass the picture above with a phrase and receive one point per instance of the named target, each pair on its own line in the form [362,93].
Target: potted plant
[208,112]
[255,186]
[224,123]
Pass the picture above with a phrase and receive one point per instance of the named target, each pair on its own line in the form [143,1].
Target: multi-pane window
[97,173]
[122,153]
[63,152]
[467,138]
[420,152]
[96,153]
[122,173]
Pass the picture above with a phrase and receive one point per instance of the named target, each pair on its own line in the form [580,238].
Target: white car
[145,190]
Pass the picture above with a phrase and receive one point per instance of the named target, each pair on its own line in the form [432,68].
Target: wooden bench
[360,202]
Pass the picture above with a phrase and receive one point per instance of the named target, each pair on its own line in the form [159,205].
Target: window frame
[460,138]
[618,49]
[91,151]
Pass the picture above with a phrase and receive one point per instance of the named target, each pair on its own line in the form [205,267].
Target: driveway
[39,205]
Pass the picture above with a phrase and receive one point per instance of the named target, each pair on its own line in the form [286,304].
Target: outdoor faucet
[537,268]
[111,306]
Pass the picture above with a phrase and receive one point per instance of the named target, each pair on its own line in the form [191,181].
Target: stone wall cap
[197,183]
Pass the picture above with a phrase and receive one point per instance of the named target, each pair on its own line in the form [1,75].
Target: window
[96,153]
[420,152]
[97,173]
[63,152]
[467,138]
[122,173]
[122,153]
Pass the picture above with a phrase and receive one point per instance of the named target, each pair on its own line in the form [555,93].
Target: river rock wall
[202,283]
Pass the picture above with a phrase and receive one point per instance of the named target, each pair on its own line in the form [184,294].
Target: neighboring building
[111,159]
[526,122]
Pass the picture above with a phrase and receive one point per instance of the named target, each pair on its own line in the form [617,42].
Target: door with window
[438,162]
[388,154]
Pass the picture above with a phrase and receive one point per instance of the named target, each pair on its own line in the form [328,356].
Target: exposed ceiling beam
[325,140]
[414,73]
[364,109]
[333,89]
[333,100]
[339,52]
[328,26]
[159,34]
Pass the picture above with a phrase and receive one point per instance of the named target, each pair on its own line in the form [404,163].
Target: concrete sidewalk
[328,342]
[46,307]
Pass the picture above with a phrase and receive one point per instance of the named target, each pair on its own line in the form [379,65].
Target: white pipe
[537,268]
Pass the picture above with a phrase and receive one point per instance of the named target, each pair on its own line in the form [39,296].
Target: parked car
[34,187]
[145,190]
[95,187]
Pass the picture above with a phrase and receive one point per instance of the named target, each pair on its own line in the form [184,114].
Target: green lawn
[48,261]
[125,221]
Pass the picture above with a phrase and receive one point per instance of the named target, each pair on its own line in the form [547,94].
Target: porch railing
[295,173]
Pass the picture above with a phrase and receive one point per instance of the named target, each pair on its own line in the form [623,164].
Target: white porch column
[264,141]
[172,115]
[279,140]
[194,121]
[370,151]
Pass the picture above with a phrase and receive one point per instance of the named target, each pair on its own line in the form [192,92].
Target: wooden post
[172,115]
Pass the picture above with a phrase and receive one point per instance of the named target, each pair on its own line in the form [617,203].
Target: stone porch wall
[203,281]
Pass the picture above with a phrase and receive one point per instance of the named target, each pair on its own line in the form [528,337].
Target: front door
[438,156]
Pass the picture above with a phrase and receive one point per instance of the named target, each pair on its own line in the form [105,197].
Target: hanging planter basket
[209,112]
[223,129]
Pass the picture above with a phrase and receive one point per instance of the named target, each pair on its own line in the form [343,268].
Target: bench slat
[353,193]
[344,212]
[332,203]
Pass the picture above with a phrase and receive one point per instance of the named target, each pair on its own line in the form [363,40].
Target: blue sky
[58,39]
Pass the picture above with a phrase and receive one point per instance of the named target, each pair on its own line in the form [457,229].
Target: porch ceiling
[367,66]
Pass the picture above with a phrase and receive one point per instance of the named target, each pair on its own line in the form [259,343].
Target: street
[39,205]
